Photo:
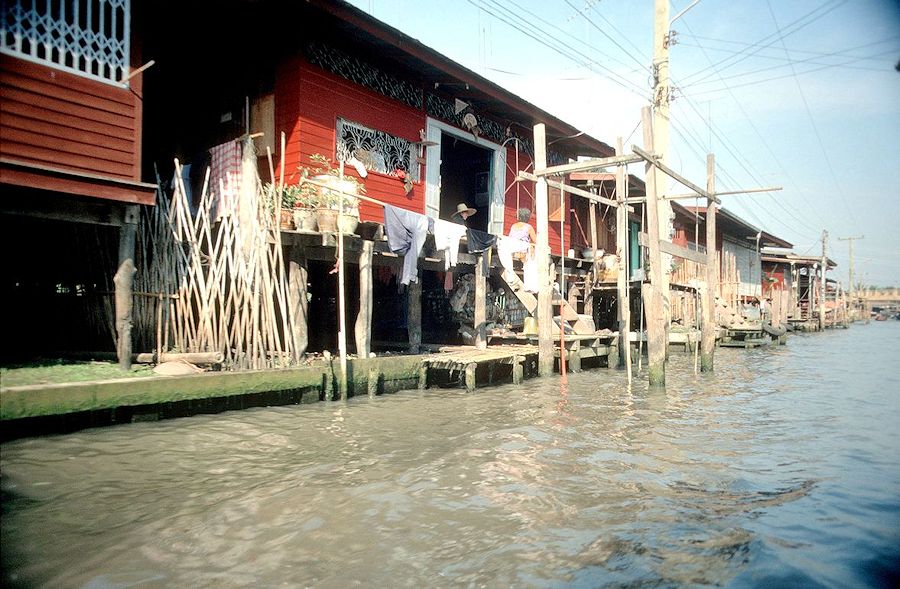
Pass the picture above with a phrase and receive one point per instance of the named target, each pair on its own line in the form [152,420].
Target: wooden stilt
[414,314]
[363,328]
[470,376]
[544,308]
[481,301]
[372,382]
[623,298]
[656,316]
[124,282]
[298,275]
[423,376]
[708,327]
[518,370]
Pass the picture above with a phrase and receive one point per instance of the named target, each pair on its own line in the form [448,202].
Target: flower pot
[349,221]
[287,219]
[327,220]
[305,219]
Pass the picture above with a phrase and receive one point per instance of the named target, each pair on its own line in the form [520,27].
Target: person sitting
[523,231]
[462,214]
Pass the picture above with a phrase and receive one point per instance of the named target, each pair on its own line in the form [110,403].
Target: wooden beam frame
[572,190]
[652,160]
[616,160]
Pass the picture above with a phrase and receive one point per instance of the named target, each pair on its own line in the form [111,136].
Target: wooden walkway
[473,365]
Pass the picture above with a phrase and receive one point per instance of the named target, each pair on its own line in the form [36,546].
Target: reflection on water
[781,469]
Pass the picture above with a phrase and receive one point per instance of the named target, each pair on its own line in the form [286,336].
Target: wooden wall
[60,120]
[308,102]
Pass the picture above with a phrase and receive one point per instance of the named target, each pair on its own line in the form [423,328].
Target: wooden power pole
[822,286]
[657,340]
[661,95]
[852,286]
[541,206]
[708,333]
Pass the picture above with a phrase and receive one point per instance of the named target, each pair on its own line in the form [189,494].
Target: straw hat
[463,208]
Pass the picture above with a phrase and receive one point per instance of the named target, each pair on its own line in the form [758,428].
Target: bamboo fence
[215,284]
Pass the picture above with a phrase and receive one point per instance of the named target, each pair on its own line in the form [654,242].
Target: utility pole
[708,333]
[852,286]
[822,286]
[545,307]
[661,95]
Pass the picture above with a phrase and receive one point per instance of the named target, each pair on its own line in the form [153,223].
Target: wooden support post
[708,327]
[574,360]
[481,271]
[470,376]
[124,282]
[298,276]
[414,314]
[657,339]
[544,308]
[372,382]
[623,298]
[423,376]
[363,327]
[823,285]
[613,355]
[518,369]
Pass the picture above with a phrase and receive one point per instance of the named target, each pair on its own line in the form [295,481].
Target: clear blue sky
[800,94]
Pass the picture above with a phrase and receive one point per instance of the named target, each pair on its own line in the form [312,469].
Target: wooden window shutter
[555,202]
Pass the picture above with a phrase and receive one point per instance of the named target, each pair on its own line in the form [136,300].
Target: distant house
[740,244]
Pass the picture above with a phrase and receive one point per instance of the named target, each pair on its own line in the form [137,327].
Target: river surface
[782,469]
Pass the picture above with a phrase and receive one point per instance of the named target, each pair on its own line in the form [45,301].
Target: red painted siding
[308,102]
[64,121]
[525,197]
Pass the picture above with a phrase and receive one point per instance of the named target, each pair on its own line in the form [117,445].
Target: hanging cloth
[506,247]
[446,239]
[406,232]
[479,241]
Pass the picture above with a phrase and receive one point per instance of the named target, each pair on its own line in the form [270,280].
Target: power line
[789,63]
[607,35]
[762,140]
[760,44]
[535,35]
[793,50]
[815,127]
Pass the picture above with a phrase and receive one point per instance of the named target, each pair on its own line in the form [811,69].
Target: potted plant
[334,199]
[283,201]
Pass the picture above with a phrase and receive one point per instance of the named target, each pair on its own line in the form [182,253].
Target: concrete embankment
[40,409]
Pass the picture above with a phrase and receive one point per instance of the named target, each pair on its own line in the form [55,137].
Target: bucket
[531,326]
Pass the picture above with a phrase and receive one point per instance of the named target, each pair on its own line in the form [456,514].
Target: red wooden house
[70,165]
[334,79]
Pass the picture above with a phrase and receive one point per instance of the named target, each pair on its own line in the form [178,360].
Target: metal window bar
[89,38]
[378,151]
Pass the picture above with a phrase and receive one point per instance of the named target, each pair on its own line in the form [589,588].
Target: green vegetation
[56,371]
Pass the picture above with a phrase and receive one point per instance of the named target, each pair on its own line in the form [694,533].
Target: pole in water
[562,347]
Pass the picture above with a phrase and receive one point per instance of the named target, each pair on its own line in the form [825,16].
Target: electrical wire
[761,44]
[572,53]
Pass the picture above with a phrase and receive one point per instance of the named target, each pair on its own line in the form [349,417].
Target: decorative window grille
[85,37]
[376,150]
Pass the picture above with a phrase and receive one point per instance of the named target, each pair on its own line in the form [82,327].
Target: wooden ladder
[580,324]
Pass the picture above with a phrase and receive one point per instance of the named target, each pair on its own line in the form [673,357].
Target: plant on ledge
[325,172]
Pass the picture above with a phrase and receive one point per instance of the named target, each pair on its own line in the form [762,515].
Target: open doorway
[465,177]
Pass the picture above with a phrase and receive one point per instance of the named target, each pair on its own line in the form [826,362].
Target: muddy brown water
[782,469]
